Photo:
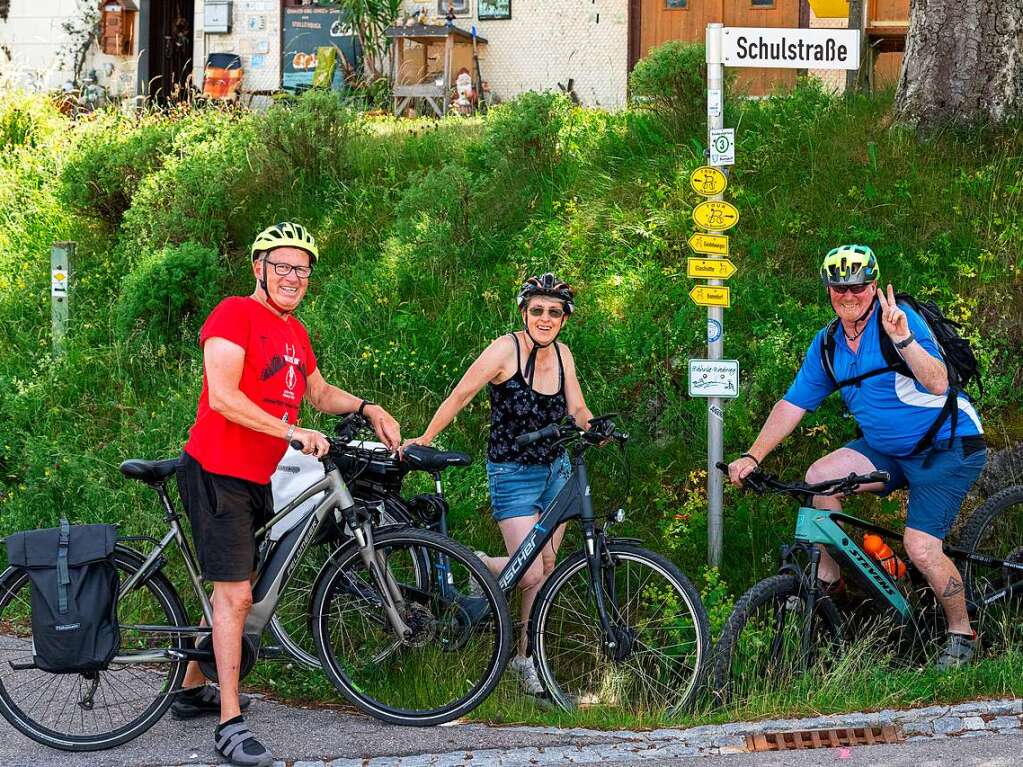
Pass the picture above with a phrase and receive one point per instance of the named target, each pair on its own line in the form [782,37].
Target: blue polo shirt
[893,411]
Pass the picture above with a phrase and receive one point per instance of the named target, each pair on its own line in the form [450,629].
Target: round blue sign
[713,331]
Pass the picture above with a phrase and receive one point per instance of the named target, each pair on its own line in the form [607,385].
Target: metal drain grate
[797,740]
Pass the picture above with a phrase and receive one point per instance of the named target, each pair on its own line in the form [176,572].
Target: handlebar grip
[547,432]
[722,467]
[296,444]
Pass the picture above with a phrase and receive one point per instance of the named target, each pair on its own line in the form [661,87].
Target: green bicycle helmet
[285,235]
[850,265]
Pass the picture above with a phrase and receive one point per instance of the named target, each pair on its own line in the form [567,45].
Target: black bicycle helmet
[549,286]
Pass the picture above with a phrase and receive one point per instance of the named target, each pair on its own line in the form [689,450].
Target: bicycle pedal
[794,605]
[273,652]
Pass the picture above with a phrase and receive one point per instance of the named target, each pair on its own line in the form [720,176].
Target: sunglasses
[553,312]
[854,289]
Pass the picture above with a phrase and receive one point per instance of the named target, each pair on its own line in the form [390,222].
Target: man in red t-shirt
[258,366]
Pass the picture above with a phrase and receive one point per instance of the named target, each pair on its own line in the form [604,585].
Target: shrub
[672,82]
[167,287]
[529,128]
[26,120]
[112,157]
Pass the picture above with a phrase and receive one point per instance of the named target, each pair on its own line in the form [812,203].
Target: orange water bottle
[882,552]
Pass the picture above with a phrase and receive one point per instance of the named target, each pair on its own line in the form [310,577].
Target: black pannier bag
[74,586]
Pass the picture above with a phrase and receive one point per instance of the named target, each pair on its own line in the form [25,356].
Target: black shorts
[225,513]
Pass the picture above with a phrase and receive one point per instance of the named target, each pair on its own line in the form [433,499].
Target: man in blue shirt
[894,412]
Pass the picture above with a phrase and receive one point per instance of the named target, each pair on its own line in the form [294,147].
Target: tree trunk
[963,63]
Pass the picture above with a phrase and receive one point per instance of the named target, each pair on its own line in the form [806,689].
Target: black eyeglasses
[553,312]
[854,289]
[283,270]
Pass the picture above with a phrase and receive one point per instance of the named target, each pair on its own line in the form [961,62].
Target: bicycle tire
[398,683]
[995,529]
[15,643]
[733,651]
[291,624]
[651,675]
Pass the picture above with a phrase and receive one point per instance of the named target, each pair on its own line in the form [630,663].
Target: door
[170,50]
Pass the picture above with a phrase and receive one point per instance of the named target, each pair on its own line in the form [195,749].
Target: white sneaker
[525,670]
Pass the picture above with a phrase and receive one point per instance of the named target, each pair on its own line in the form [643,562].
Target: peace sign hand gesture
[893,319]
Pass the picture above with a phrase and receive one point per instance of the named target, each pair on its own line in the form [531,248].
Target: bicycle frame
[817,526]
[277,567]
[572,502]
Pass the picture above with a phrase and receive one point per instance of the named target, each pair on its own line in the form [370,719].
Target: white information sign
[791,48]
[713,103]
[722,146]
[713,378]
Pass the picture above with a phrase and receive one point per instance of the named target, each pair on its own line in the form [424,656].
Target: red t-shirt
[278,359]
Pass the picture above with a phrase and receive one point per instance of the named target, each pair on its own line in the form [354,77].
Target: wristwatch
[291,432]
[362,407]
[905,341]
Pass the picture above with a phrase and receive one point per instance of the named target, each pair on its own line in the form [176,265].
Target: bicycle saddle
[149,471]
[432,460]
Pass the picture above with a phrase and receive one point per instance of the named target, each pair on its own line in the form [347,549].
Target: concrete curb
[961,720]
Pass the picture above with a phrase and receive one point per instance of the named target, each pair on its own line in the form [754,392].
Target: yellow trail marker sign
[711,244]
[711,295]
[710,268]
[708,181]
[715,215]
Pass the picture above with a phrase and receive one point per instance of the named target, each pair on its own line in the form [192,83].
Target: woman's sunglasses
[854,289]
[553,312]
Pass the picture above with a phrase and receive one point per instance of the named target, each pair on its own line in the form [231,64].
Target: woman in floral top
[531,379]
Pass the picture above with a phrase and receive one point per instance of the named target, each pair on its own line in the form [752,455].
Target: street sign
[716,215]
[709,268]
[711,244]
[711,295]
[830,9]
[722,146]
[791,48]
[713,378]
[708,181]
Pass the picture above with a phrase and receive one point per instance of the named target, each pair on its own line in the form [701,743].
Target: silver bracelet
[291,431]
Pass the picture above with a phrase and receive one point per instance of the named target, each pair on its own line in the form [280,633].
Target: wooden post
[61,256]
[449,47]
[854,77]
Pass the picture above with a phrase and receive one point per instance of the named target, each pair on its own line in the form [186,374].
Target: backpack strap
[63,575]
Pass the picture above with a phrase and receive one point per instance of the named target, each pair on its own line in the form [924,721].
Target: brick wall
[255,36]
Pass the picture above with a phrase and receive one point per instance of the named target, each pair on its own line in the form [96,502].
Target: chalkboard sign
[306,29]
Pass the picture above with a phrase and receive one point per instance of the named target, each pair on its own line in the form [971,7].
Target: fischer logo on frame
[791,48]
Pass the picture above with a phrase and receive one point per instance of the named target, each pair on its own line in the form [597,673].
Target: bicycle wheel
[461,630]
[760,648]
[96,710]
[291,625]
[995,529]
[663,635]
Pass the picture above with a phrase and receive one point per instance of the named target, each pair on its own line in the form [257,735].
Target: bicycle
[383,610]
[614,624]
[375,477]
[785,624]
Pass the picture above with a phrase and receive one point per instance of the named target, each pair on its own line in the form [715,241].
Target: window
[493,9]
[762,3]
[676,5]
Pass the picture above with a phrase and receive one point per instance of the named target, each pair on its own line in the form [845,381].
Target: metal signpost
[714,377]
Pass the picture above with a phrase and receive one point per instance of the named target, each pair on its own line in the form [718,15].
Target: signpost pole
[715,413]
[61,255]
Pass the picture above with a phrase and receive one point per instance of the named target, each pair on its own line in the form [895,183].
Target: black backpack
[74,586]
[960,361]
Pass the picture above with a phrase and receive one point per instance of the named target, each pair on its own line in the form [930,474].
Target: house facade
[149,48]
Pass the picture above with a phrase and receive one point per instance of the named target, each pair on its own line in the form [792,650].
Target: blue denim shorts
[938,482]
[523,489]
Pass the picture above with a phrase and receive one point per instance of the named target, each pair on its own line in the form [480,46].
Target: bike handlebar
[601,429]
[760,482]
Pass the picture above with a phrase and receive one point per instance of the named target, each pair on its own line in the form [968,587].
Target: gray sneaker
[958,651]
[524,668]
